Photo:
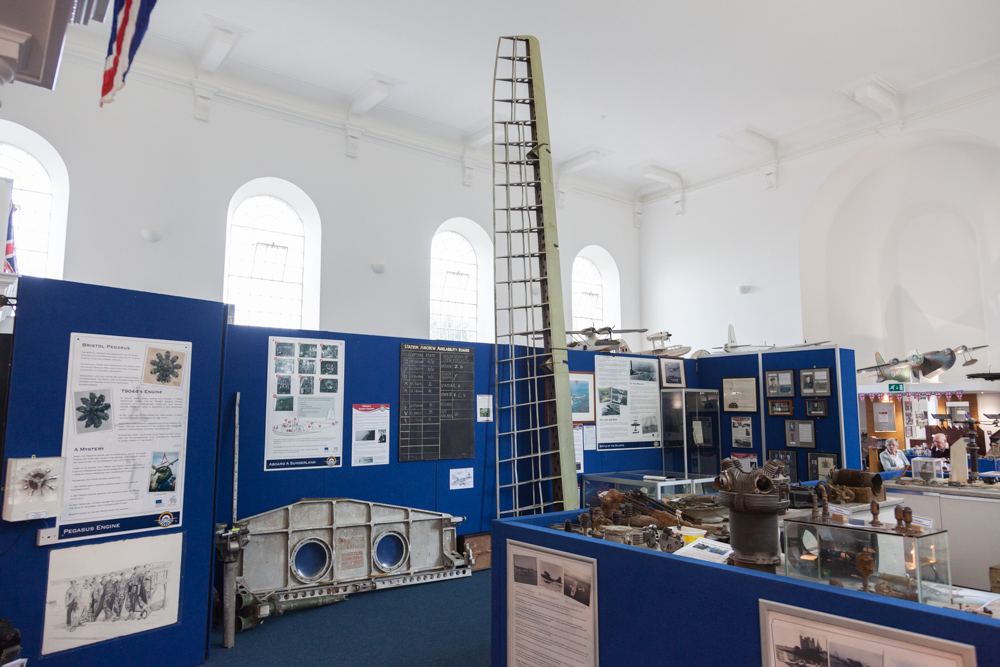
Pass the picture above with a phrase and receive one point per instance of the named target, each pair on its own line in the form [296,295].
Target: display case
[927,469]
[880,560]
[653,483]
[691,437]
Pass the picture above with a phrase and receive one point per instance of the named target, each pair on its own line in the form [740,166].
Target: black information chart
[437,392]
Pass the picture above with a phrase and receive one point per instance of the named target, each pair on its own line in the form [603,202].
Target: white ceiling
[646,81]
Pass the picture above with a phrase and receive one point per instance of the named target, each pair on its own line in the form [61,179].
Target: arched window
[454,288]
[41,194]
[588,295]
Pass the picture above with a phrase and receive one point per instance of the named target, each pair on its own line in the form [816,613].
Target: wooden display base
[481,546]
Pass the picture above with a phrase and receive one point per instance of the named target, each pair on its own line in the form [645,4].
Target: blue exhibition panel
[700,614]
[48,311]
[371,375]
[711,371]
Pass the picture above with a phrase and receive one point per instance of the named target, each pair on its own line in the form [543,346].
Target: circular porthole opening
[310,560]
[390,551]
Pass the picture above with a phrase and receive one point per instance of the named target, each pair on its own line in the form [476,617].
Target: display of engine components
[33,488]
[754,500]
[314,552]
[10,642]
[882,560]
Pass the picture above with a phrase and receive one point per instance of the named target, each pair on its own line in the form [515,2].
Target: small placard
[923,522]
[840,514]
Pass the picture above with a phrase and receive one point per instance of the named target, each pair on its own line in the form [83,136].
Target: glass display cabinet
[874,559]
[691,438]
[653,483]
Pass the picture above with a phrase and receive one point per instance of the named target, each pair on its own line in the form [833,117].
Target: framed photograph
[821,464]
[581,391]
[800,433]
[779,384]
[779,408]
[796,636]
[814,382]
[790,459]
[816,407]
[739,394]
[742,433]
[672,373]
[884,416]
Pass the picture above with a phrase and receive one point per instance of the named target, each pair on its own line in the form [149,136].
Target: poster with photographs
[583,400]
[551,607]
[814,381]
[304,422]
[672,373]
[628,402]
[779,384]
[739,394]
[797,637]
[742,432]
[370,434]
[103,591]
[789,459]
[124,435]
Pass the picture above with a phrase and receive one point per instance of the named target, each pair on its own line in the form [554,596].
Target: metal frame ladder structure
[535,465]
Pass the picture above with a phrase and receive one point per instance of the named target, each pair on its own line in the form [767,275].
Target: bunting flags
[129,27]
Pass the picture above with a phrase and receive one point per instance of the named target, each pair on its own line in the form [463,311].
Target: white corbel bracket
[354,134]
[468,171]
[770,172]
[678,199]
[203,94]
[637,214]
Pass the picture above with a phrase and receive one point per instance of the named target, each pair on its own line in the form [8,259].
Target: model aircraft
[601,338]
[661,349]
[983,376]
[926,364]
[732,346]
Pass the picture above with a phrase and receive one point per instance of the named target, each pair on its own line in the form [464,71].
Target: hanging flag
[127,31]
[947,395]
[10,254]
[959,395]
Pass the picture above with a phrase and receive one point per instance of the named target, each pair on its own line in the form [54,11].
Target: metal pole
[236,456]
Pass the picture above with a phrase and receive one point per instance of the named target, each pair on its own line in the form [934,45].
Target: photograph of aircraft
[917,364]
[732,346]
[601,338]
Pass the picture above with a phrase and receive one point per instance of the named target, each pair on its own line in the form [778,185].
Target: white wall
[145,161]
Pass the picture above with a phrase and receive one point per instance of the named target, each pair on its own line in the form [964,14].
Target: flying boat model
[661,349]
[983,376]
[732,346]
[600,339]
[917,364]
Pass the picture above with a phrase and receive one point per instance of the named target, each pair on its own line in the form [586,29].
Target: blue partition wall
[656,608]
[48,312]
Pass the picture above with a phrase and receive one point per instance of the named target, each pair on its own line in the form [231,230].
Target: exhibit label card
[305,404]
[628,402]
[578,446]
[551,607]
[370,442]
[124,435]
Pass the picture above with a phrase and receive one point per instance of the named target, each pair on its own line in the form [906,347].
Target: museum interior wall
[146,162]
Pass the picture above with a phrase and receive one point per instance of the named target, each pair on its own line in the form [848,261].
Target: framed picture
[581,391]
[672,373]
[790,459]
[739,394]
[821,464]
[788,633]
[884,416]
[779,384]
[779,408]
[816,407]
[800,433]
[814,382]
[742,433]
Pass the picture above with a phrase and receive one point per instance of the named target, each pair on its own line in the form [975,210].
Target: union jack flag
[127,31]
[10,256]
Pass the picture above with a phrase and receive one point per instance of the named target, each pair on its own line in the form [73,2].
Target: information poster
[305,404]
[437,393]
[124,435]
[578,446]
[742,433]
[628,402]
[370,439]
[551,607]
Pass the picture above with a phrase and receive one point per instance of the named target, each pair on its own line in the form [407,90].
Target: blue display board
[47,312]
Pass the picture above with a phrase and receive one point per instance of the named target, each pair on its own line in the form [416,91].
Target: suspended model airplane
[916,364]
[601,338]
[732,346]
[661,349]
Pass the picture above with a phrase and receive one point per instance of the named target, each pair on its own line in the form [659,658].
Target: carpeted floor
[445,623]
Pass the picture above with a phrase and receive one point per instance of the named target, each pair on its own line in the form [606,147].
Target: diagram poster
[370,439]
[628,402]
[551,607]
[305,404]
[124,435]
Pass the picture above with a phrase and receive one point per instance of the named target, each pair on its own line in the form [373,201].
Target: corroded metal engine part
[754,500]
[848,477]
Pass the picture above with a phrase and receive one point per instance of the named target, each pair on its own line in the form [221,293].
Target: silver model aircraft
[600,338]
[661,349]
[732,346]
[928,364]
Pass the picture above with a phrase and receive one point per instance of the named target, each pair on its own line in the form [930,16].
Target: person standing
[891,458]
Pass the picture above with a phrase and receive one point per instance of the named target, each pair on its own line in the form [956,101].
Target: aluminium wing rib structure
[536,470]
